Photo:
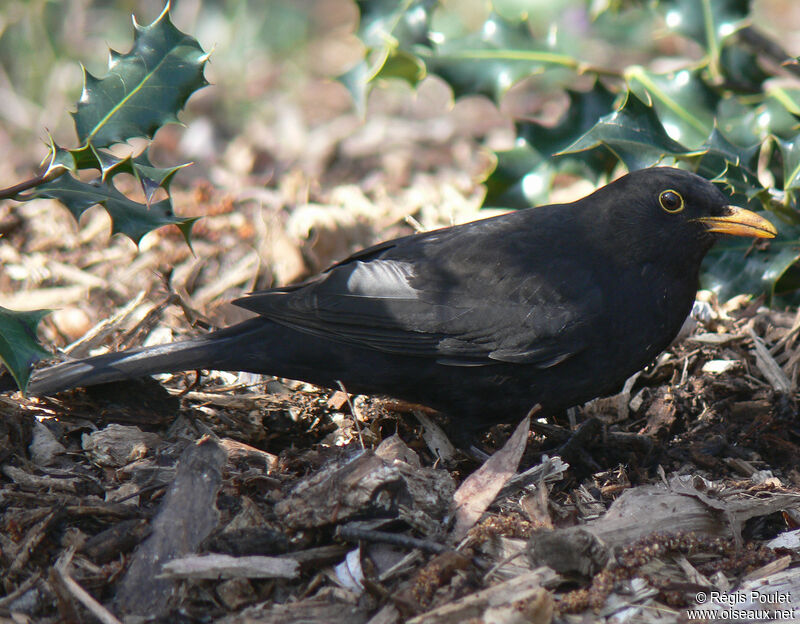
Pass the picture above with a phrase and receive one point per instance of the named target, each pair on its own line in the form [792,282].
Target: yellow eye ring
[671,201]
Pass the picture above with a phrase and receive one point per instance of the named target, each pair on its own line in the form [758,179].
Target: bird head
[665,209]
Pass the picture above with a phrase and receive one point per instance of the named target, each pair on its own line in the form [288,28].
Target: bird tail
[212,351]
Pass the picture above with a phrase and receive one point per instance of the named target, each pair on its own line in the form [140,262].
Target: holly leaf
[144,89]
[397,24]
[790,152]
[783,110]
[732,164]
[19,348]
[383,63]
[741,69]
[684,103]
[390,32]
[150,178]
[521,178]
[633,133]
[356,81]
[492,59]
[523,175]
[583,111]
[708,22]
[733,267]
[128,217]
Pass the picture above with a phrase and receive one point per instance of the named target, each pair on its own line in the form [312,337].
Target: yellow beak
[740,222]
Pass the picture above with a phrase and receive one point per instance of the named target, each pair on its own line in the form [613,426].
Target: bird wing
[423,296]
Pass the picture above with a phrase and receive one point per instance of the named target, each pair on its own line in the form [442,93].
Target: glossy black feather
[556,305]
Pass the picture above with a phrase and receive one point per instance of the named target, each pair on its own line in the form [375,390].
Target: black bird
[553,305]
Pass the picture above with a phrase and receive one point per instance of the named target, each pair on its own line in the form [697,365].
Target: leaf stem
[46,175]
[551,58]
[713,43]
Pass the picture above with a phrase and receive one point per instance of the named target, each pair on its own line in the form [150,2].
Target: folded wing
[419,296]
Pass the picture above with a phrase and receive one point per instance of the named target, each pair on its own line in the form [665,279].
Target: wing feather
[419,296]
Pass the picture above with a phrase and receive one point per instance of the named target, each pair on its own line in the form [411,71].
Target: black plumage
[553,305]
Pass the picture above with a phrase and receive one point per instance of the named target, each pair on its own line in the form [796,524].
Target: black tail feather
[212,351]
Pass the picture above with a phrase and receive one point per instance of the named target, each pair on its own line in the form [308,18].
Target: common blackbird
[553,305]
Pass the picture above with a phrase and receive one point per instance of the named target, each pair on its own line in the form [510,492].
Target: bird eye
[671,201]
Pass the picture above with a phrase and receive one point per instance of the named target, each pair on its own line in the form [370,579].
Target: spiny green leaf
[741,123]
[398,24]
[708,22]
[734,165]
[685,105]
[82,158]
[583,111]
[509,184]
[128,217]
[494,58]
[786,98]
[150,178]
[776,117]
[19,348]
[718,145]
[356,81]
[523,175]
[790,151]
[144,89]
[634,133]
[733,266]
[741,69]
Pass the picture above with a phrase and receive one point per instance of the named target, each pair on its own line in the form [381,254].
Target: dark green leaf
[394,24]
[128,217]
[523,175]
[741,123]
[144,89]
[721,159]
[733,266]
[706,21]
[356,81]
[585,108]
[741,69]
[790,151]
[779,112]
[492,59]
[634,133]
[82,158]
[685,105]
[150,178]
[19,348]
[510,185]
[402,65]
